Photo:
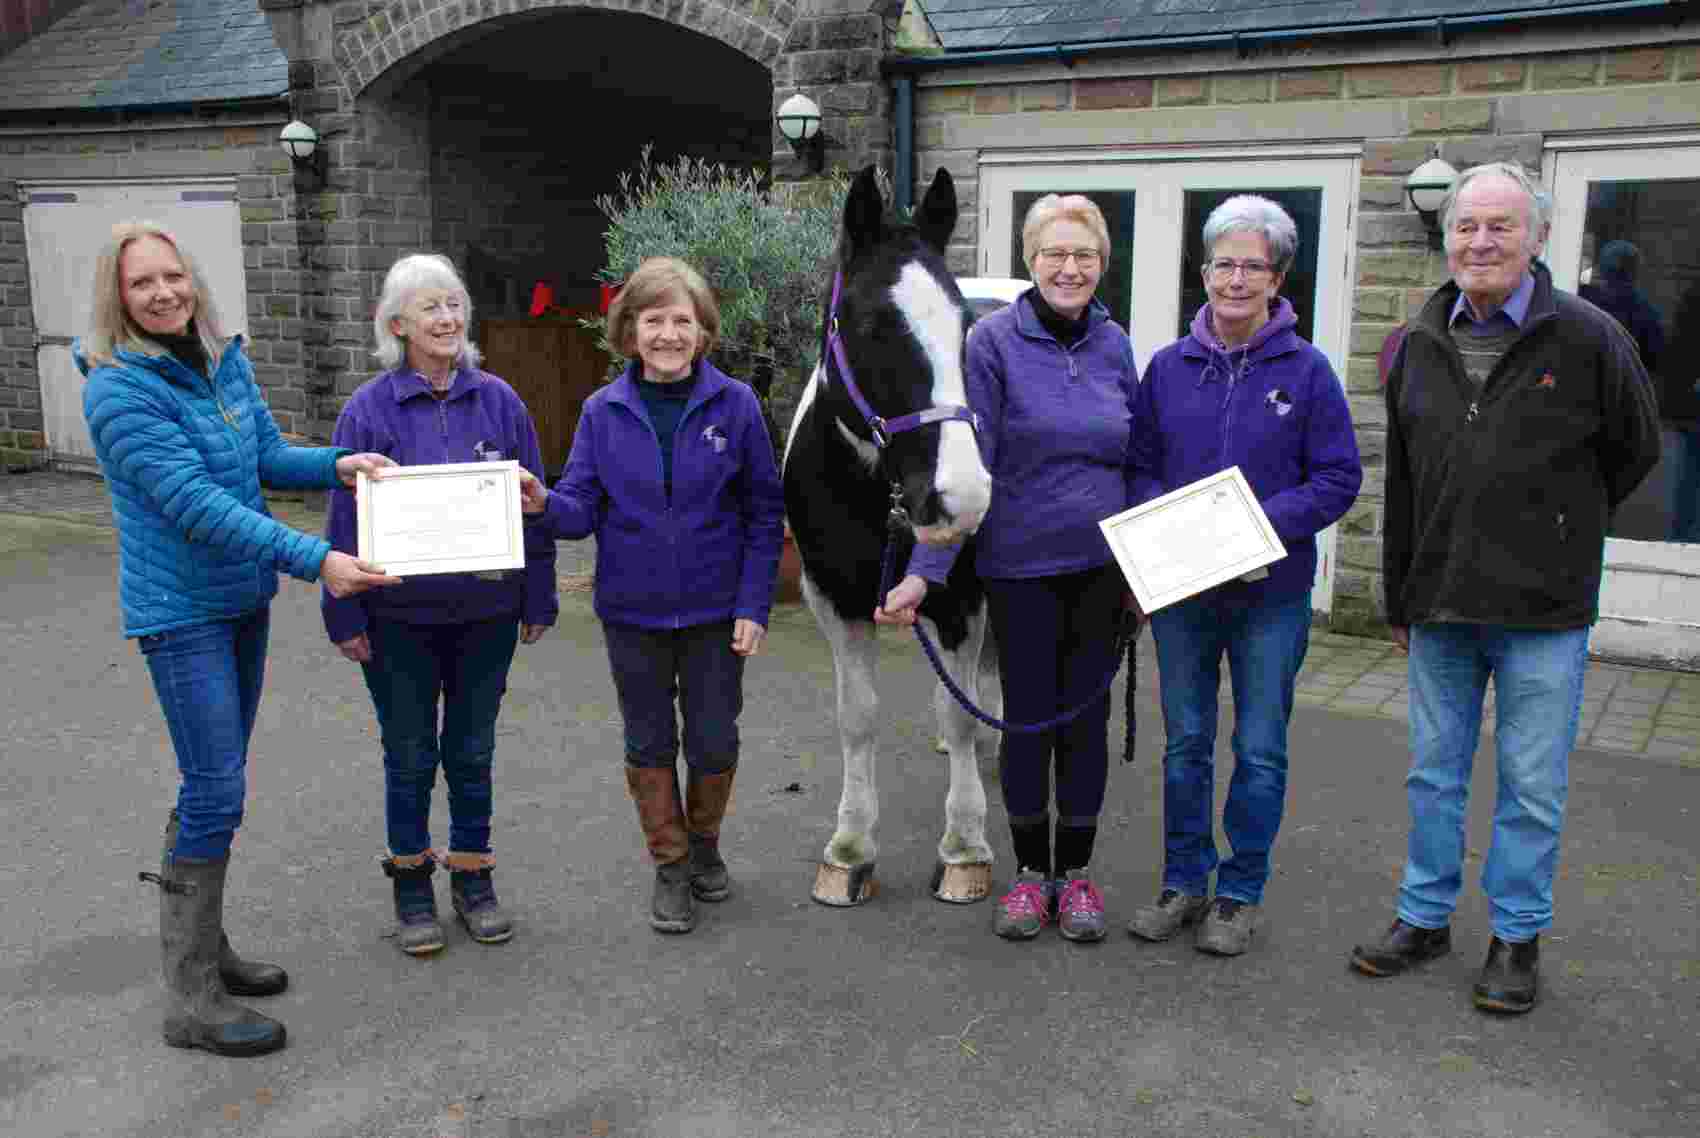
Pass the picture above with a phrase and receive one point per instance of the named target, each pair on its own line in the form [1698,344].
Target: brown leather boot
[662,816]
[707,797]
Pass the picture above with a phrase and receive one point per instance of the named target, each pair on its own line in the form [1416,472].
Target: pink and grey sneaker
[1027,907]
[1080,908]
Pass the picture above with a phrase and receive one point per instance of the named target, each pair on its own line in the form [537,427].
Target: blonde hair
[407,276]
[655,282]
[1063,207]
[110,325]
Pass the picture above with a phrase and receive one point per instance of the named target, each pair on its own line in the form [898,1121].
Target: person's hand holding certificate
[459,517]
[1192,539]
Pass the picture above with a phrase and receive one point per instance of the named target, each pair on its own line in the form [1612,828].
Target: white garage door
[65,226]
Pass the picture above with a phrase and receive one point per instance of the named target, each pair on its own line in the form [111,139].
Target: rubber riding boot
[707,797]
[240,977]
[655,790]
[474,898]
[417,930]
[198,1012]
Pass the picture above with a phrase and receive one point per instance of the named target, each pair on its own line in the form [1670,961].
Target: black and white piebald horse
[884,418]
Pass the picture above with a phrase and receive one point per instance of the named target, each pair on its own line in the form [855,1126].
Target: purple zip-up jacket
[709,554]
[482,420]
[1054,433]
[1275,409]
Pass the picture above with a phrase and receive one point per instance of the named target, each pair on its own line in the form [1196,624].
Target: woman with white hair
[1240,389]
[1052,378]
[186,443]
[442,638]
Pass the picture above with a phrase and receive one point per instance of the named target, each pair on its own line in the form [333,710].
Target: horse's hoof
[845,888]
[962,884]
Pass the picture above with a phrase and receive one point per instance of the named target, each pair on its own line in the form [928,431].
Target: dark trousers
[413,665]
[693,668]
[1056,645]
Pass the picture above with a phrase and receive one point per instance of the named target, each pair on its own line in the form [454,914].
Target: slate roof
[111,54]
[966,25]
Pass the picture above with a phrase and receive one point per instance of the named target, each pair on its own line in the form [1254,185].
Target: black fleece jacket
[1498,498]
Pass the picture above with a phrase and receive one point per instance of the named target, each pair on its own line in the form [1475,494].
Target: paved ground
[779,1017]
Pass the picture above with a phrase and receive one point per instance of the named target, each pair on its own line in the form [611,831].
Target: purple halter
[883,429]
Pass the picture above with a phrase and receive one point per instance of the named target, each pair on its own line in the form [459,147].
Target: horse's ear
[936,217]
[864,212]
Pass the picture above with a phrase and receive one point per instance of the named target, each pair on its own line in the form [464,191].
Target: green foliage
[765,251]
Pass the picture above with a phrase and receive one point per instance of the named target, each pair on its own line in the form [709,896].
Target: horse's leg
[846,873]
[964,871]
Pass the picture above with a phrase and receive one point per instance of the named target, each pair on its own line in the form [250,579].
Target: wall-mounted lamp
[301,143]
[799,121]
[1427,188]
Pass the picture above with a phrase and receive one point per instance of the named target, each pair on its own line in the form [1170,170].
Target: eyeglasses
[1223,269]
[1086,259]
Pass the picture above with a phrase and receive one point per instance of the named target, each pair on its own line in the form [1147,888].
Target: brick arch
[417,31]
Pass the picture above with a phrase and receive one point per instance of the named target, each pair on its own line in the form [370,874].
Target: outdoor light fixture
[1427,188]
[301,143]
[799,121]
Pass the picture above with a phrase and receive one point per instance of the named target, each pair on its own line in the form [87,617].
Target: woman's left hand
[747,637]
[532,633]
[350,465]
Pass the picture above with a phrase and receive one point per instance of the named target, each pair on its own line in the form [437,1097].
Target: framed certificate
[459,517]
[1192,539]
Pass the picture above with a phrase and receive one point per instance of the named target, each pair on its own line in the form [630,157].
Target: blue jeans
[1685,487]
[696,665]
[1265,644]
[1537,680]
[208,678]
[413,665]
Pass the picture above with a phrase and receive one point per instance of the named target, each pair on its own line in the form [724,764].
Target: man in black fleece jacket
[1518,418]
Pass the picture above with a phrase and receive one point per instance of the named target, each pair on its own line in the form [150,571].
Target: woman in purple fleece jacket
[1052,378]
[447,636]
[1241,390]
[672,469]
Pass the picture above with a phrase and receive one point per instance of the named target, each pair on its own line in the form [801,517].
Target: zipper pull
[1072,373]
[1470,415]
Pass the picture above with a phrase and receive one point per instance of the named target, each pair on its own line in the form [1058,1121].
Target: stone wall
[1471,110]
[22,444]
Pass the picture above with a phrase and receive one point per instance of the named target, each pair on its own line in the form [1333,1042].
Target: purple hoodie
[1275,409]
[1054,427]
[482,420]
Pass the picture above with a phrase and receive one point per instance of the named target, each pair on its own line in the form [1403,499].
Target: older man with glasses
[1518,418]
[1240,389]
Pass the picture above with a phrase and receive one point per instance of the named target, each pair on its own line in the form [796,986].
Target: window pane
[1115,288]
[1305,206]
[1641,263]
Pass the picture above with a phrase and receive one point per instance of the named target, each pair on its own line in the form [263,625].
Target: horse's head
[900,325]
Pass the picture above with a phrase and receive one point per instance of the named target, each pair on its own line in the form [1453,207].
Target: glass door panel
[1626,236]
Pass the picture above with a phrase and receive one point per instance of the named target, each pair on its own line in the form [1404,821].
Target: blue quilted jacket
[184,460]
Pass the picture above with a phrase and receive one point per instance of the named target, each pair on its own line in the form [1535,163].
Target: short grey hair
[1254,213]
[1540,206]
[407,276]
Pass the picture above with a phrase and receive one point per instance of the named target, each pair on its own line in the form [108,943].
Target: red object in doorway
[542,298]
[608,293]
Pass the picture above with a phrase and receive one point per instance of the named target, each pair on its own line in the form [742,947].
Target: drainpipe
[903,177]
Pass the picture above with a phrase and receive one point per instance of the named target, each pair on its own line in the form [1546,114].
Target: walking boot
[1510,980]
[706,799]
[417,930]
[198,1012]
[1401,947]
[662,816]
[474,898]
[241,977]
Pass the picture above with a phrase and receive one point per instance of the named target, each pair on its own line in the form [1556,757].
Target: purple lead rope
[1124,643]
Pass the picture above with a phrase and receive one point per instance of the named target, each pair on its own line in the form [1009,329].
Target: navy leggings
[1056,643]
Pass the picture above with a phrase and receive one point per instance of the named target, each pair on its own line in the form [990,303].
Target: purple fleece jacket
[711,552]
[481,420]
[1275,409]
[1054,433]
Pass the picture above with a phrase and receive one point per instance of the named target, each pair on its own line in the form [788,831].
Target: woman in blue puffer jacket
[185,441]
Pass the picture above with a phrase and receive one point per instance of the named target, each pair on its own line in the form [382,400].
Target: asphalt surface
[778,1016]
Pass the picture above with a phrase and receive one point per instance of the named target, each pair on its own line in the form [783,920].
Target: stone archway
[411,33]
